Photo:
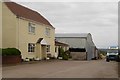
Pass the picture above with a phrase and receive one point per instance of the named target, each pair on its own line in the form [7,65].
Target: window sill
[48,52]
[48,36]
[31,52]
[31,33]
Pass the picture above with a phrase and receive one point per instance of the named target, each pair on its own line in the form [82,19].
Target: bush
[64,55]
[68,53]
[0,51]
[10,51]
[61,51]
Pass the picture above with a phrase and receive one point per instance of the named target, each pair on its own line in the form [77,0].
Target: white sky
[100,18]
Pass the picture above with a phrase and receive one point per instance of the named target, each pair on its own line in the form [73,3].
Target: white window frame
[47,31]
[31,28]
[31,47]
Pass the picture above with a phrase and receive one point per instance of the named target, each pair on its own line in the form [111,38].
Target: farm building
[81,45]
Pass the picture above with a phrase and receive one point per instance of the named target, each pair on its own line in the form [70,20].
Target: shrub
[0,51]
[64,55]
[61,51]
[68,53]
[10,51]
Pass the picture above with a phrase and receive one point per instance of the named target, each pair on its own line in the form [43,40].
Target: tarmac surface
[62,69]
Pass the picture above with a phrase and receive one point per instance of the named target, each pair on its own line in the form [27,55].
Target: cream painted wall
[25,37]
[0,39]
[0,24]
[15,34]
[8,28]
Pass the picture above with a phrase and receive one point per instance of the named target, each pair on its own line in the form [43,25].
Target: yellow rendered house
[28,31]
[0,24]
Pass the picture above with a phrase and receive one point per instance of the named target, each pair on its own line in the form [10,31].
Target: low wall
[78,55]
[11,59]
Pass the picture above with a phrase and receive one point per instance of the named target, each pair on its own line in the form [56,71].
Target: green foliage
[63,54]
[0,51]
[68,54]
[61,51]
[10,51]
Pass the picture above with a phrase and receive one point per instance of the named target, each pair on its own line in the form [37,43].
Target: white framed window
[48,48]
[31,28]
[47,32]
[31,47]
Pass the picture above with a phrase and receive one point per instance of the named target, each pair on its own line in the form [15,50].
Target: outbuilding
[81,45]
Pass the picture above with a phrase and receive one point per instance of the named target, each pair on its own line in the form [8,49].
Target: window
[47,31]
[48,48]
[31,47]
[31,28]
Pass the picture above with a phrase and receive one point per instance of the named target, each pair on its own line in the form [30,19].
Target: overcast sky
[98,18]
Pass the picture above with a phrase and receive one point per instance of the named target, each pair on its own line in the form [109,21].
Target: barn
[81,45]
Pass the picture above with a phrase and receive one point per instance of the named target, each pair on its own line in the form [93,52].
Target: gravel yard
[63,69]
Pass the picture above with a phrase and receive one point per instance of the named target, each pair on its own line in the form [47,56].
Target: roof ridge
[23,11]
[72,33]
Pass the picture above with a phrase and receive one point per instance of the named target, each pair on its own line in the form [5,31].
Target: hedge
[10,51]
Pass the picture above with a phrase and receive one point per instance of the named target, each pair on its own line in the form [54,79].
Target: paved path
[63,69]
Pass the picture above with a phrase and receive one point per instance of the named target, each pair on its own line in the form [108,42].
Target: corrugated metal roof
[84,35]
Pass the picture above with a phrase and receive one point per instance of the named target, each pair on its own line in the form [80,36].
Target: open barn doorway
[78,53]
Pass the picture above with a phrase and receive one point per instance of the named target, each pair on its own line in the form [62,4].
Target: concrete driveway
[63,69]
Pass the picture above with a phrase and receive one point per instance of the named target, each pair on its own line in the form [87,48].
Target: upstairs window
[31,27]
[47,32]
[31,47]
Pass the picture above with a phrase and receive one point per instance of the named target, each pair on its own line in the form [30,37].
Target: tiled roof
[27,13]
[60,44]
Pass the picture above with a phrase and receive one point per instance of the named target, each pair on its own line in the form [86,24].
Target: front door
[43,51]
